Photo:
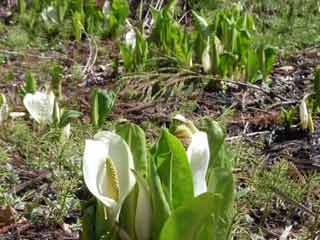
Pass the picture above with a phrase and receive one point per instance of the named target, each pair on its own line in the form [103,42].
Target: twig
[183,16]
[35,56]
[256,87]
[91,59]
[279,104]
[22,186]
[230,139]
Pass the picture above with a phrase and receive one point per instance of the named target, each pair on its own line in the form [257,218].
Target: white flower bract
[40,106]
[4,109]
[304,115]
[108,145]
[130,38]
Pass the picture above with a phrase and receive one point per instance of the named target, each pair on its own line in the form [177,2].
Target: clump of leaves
[102,103]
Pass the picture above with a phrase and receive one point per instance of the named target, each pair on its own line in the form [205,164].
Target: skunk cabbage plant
[40,106]
[166,192]
[4,109]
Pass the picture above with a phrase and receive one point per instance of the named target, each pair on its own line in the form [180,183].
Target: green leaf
[216,137]
[252,66]
[87,221]
[317,87]
[128,213]
[67,116]
[170,7]
[120,9]
[77,19]
[270,57]
[56,79]
[30,84]
[201,23]
[174,169]
[221,183]
[136,140]
[101,224]
[160,206]
[216,51]
[22,6]
[117,16]
[188,220]
[143,216]
[102,103]
[227,64]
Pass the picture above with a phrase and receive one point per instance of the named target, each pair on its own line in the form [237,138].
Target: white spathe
[66,131]
[304,115]
[130,38]
[108,145]
[106,8]
[4,109]
[206,59]
[198,153]
[40,106]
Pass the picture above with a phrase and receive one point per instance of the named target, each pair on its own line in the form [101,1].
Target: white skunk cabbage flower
[107,165]
[40,106]
[106,8]
[4,109]
[206,59]
[218,45]
[285,234]
[49,15]
[198,153]
[304,115]
[130,38]
[66,131]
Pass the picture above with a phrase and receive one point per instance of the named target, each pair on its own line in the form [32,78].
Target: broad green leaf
[252,66]
[160,206]
[120,9]
[216,138]
[270,57]
[77,19]
[143,218]
[102,104]
[227,64]
[221,183]
[243,45]
[128,213]
[30,84]
[174,169]
[101,224]
[88,220]
[188,220]
[216,51]
[22,6]
[317,87]
[56,80]
[136,140]
[67,116]
[170,7]
[201,23]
